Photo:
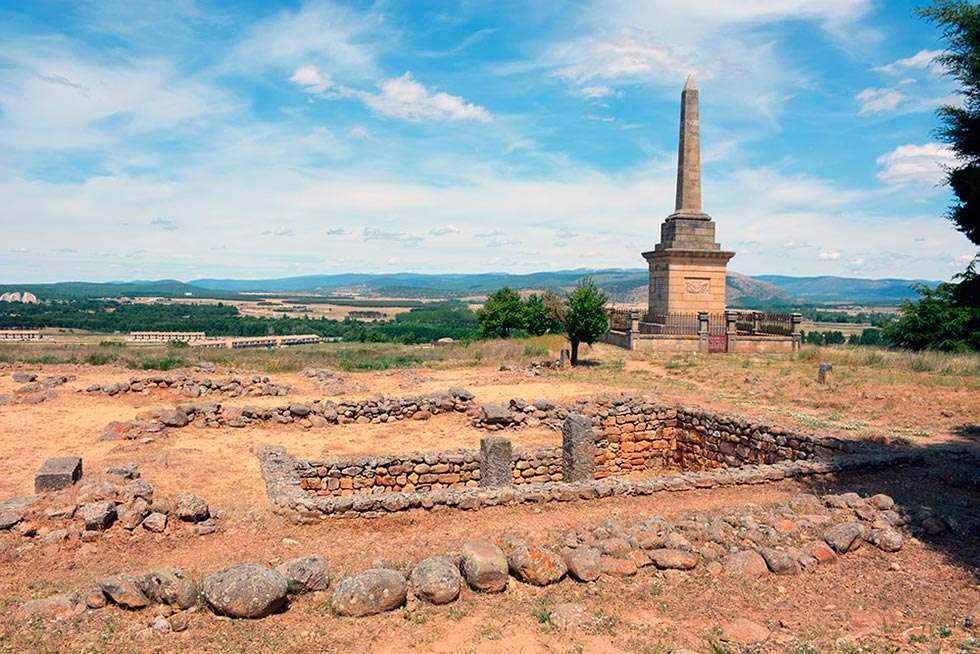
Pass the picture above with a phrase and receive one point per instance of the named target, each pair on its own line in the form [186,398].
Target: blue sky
[253,139]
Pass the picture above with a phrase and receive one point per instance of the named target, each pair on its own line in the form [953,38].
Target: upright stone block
[57,473]
[496,462]
[578,448]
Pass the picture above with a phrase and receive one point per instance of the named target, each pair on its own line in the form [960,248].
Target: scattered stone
[673,559]
[484,566]
[887,539]
[822,552]
[436,580]
[124,471]
[160,625]
[155,522]
[882,502]
[583,563]
[744,632]
[746,564]
[614,567]
[369,592]
[933,526]
[306,574]
[98,515]
[247,590]
[57,473]
[94,598]
[9,518]
[170,586]
[845,537]
[179,621]
[780,562]
[125,591]
[191,508]
[536,565]
[173,418]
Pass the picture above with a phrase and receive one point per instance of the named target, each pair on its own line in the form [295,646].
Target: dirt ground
[865,602]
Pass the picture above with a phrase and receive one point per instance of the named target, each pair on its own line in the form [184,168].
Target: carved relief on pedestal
[697,285]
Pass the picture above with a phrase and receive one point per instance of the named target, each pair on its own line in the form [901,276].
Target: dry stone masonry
[189,386]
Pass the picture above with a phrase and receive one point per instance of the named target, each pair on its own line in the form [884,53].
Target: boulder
[170,586]
[746,564]
[247,590]
[536,565]
[436,580]
[845,537]
[369,592]
[155,522]
[882,502]
[484,566]
[9,518]
[673,559]
[173,418]
[822,552]
[495,414]
[98,515]
[306,574]
[886,539]
[583,563]
[615,567]
[191,508]
[780,562]
[125,591]
[57,473]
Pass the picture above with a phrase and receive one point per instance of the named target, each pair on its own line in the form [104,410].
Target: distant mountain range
[623,285]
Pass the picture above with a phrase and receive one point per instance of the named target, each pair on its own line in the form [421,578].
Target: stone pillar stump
[578,448]
[496,462]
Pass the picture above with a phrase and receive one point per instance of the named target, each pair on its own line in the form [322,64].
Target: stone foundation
[607,439]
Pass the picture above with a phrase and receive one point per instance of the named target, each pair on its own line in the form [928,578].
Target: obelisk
[689,154]
[687,266]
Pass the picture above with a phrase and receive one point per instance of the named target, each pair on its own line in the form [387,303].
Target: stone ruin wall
[632,435]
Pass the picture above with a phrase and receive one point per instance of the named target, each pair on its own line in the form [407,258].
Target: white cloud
[403,97]
[595,92]
[922,165]
[631,54]
[829,255]
[279,231]
[444,230]
[922,60]
[164,223]
[311,79]
[876,101]
[359,133]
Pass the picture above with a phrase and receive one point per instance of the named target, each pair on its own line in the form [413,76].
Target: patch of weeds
[680,363]
[643,646]
[535,350]
[655,589]
[456,613]
[918,638]
[717,647]
[874,359]
[415,617]
[100,358]
[943,631]
[920,364]
[164,363]
[616,365]
[604,625]
[542,614]
[971,646]
[807,354]
[802,648]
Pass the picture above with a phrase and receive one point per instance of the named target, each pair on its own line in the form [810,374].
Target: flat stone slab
[57,473]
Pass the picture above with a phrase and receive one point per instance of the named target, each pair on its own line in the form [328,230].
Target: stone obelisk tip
[689,153]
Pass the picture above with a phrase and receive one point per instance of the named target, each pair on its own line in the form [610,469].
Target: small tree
[586,320]
[502,312]
[540,315]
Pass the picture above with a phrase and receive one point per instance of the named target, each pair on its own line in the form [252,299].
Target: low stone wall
[281,473]
[189,386]
[605,437]
[454,469]
[380,409]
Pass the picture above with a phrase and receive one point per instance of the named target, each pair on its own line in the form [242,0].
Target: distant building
[242,342]
[20,335]
[163,337]
[445,340]
[366,315]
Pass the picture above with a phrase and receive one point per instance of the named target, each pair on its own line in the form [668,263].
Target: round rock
[369,592]
[248,590]
[307,574]
[436,580]
[536,565]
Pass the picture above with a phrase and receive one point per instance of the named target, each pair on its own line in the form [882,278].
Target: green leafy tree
[541,316]
[814,338]
[959,21]
[938,320]
[586,319]
[502,312]
[870,337]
